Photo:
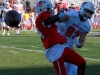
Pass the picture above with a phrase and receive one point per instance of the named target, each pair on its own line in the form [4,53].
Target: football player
[75,25]
[3,12]
[18,6]
[55,45]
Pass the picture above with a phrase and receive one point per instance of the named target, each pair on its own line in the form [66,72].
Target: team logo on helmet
[41,3]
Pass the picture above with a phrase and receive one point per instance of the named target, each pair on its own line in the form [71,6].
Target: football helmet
[72,3]
[44,5]
[7,4]
[87,6]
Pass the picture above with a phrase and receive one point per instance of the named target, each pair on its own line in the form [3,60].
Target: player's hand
[79,45]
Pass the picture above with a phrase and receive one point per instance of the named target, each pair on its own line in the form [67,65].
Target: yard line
[22,49]
[84,49]
[93,42]
[42,52]
[13,52]
[92,59]
[94,32]
[34,46]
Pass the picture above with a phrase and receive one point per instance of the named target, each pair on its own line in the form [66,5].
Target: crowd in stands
[28,13]
[95,20]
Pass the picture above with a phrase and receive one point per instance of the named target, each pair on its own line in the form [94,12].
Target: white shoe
[8,34]
[3,34]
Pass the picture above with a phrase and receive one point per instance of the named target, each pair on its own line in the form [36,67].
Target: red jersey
[49,34]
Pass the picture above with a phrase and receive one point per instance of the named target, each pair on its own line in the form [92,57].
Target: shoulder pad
[72,13]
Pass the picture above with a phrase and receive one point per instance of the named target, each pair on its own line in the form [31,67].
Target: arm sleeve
[51,20]
[1,13]
[46,18]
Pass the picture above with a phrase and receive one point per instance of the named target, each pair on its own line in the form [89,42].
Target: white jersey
[99,6]
[73,27]
[18,8]
[5,10]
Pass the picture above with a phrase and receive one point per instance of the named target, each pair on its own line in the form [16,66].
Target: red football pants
[69,56]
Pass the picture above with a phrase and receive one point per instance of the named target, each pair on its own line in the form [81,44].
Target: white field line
[95,44]
[13,52]
[92,59]
[94,32]
[40,52]
[21,49]
[34,46]
[84,49]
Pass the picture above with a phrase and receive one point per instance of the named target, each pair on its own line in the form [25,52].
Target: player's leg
[71,69]
[18,30]
[71,56]
[3,29]
[3,33]
[59,66]
[7,29]
[68,68]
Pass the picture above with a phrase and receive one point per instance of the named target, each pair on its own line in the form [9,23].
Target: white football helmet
[89,6]
[44,5]
[72,3]
[7,4]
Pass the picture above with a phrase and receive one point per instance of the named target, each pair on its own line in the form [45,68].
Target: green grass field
[24,55]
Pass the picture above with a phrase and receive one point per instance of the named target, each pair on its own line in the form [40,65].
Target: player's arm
[51,20]
[1,13]
[59,17]
[64,19]
[81,40]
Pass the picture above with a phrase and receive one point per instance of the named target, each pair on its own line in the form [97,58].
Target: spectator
[72,6]
[28,8]
[3,12]
[61,6]
[32,20]
[25,17]
[0,3]
[99,6]
[18,6]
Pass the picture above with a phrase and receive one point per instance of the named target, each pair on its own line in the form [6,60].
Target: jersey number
[71,30]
